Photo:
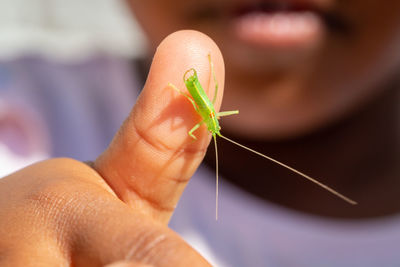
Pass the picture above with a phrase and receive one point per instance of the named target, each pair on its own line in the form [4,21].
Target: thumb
[152,157]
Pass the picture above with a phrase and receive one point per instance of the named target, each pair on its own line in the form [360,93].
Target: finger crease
[159,146]
[154,204]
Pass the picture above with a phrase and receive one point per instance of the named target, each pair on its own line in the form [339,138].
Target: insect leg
[227,113]
[194,129]
[185,95]
[215,79]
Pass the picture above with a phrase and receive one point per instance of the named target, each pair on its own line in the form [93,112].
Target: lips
[270,6]
[279,24]
[275,24]
[279,29]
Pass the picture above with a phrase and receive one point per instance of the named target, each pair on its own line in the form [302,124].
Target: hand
[64,212]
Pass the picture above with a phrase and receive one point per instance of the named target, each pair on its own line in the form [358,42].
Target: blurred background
[63,65]
[67,30]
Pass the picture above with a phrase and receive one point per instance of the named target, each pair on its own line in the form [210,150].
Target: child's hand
[63,212]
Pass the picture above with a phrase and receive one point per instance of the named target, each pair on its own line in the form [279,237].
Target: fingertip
[186,49]
[177,53]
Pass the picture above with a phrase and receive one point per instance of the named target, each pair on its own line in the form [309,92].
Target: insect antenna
[292,169]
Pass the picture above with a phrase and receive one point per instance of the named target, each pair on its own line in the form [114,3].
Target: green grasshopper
[205,108]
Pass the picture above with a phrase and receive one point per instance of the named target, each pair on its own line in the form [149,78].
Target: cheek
[376,32]
[369,54]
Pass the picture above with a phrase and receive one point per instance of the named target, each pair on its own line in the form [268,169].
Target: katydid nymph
[205,108]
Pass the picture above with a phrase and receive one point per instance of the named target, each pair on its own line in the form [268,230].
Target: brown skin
[62,211]
[329,111]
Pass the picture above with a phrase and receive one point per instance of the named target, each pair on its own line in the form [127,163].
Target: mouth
[277,24]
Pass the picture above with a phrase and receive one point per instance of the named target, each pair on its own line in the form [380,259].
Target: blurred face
[292,66]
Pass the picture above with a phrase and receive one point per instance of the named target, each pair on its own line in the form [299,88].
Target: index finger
[152,157]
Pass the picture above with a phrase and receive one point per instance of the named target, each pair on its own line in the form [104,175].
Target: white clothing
[250,232]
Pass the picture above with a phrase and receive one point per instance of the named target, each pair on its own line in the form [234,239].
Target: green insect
[205,108]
